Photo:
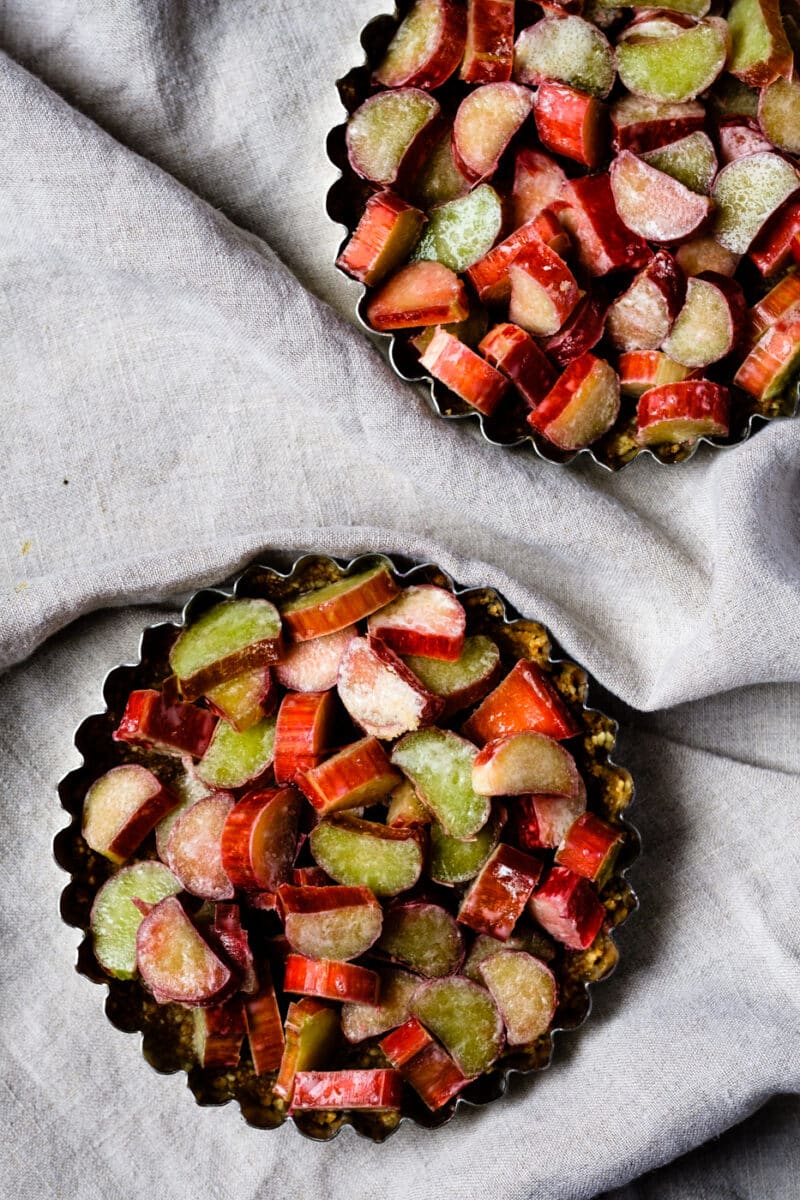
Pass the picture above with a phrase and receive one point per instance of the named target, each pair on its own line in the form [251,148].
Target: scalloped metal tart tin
[167,1028]
[508,427]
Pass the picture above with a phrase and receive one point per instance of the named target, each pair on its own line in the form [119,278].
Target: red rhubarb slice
[244,700]
[463,682]
[388,135]
[424,1064]
[565,49]
[641,370]
[330,980]
[580,332]
[538,181]
[642,316]
[543,290]
[378,1090]
[358,775]
[772,249]
[464,372]
[379,692]
[120,809]
[525,992]
[427,47]
[309,877]
[490,276]
[194,851]
[313,666]
[423,620]
[115,919]
[571,123]
[769,365]
[770,308]
[312,1033]
[682,412]
[590,848]
[423,293]
[233,760]
[512,351]
[485,123]
[232,937]
[640,124]
[422,937]
[439,764]
[218,1034]
[330,922]
[264,1026]
[583,404]
[175,962]
[259,839]
[334,607]
[525,763]
[747,192]
[489,51]
[654,205]
[464,1018]
[567,906]
[150,722]
[231,638]
[383,238]
[304,731]
[361,1021]
[760,50]
[542,821]
[525,700]
[603,243]
[360,853]
[496,899]
[710,323]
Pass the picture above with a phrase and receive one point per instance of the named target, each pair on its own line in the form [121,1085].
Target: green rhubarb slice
[423,937]
[701,333]
[222,632]
[440,180]
[332,590]
[691,160]
[365,854]
[478,661]
[530,940]
[381,131]
[747,192]
[453,861]
[115,918]
[415,42]
[780,114]
[461,232]
[234,759]
[439,764]
[673,68]
[566,49]
[757,40]
[465,1018]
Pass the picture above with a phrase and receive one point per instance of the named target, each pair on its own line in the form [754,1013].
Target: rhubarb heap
[571,224]
[351,833]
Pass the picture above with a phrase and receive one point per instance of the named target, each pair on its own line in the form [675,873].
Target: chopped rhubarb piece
[468,331]
[194,850]
[532,941]
[525,992]
[439,764]
[525,700]
[485,123]
[423,620]
[259,839]
[379,692]
[603,243]
[188,789]
[338,605]
[542,821]
[739,138]
[490,276]
[772,249]
[543,290]
[383,238]
[747,192]
[548,225]
[361,853]
[705,254]
[590,848]
[463,682]
[150,722]
[653,204]
[496,899]
[675,66]
[538,182]
[330,922]
[464,372]
[565,49]
[388,135]
[580,332]
[232,937]
[312,1033]
[439,179]
[489,51]
[571,123]
[422,937]
[692,161]
[218,1034]
[642,316]
[460,232]
[234,759]
[423,293]
[760,50]
[304,731]
[567,906]
[640,124]
[512,351]
[710,323]
[313,666]
[769,365]
[360,774]
[379,1090]
[309,877]
[784,295]
[424,1064]
[406,809]
[464,1018]
[330,980]
[264,1026]
[175,962]
[583,404]
[231,638]
[115,920]
[682,412]
[360,1021]
[120,809]
[779,114]
[454,861]
[427,47]
[525,763]
[244,700]
[641,370]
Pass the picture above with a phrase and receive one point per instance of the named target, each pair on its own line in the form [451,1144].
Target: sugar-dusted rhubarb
[770,364]
[439,764]
[710,323]
[234,759]
[779,114]
[692,160]
[580,332]
[188,789]
[525,992]
[379,692]
[361,1021]
[423,937]
[361,853]
[603,243]
[231,638]
[375,1090]
[783,296]
[461,231]
[388,135]
[682,412]
[590,848]
[422,293]
[384,237]
[175,963]
[543,290]
[640,370]
[676,66]
[427,47]
[312,1035]
[452,861]
[330,922]
[231,936]
[259,839]
[525,763]
[120,809]
[526,938]
[772,250]
[704,253]
[760,51]
[489,51]
[424,1064]
[746,193]
[739,138]
[497,897]
[639,124]
[524,700]
[582,405]
[541,821]
[511,350]
[571,123]
[538,181]
[653,204]
[262,1016]
[304,732]
[218,1034]
[115,920]
[565,49]
[244,700]
[194,850]
[313,666]
[330,980]
[463,682]
[567,906]
[490,276]
[338,605]
[439,180]
[464,372]
[642,316]
[359,774]
[464,1018]
[150,722]
[485,123]
[424,620]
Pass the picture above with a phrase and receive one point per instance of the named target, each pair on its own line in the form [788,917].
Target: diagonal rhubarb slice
[361,853]
[381,695]
[543,821]
[525,700]
[313,666]
[581,407]
[259,839]
[194,849]
[440,179]
[497,898]
[603,243]
[543,290]
[769,365]
[683,412]
[358,775]
[218,1034]
[231,638]
[770,308]
[525,992]
[383,238]
[304,731]
[120,809]
[150,722]
[330,980]
[512,351]
[427,47]
[244,700]
[489,50]
[424,1064]
[704,253]
[641,370]
[264,1026]
[567,906]
[525,763]
[175,962]
[330,922]
[312,1034]
[485,123]
[388,135]
[439,764]
[571,123]
[464,372]
[328,609]
[424,620]
[378,1090]
[590,848]
[464,1018]
[490,276]
[692,160]
[233,760]
[423,937]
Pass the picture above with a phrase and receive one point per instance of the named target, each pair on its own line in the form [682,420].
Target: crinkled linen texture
[176,400]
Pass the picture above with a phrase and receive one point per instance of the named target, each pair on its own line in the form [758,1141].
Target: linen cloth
[176,400]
